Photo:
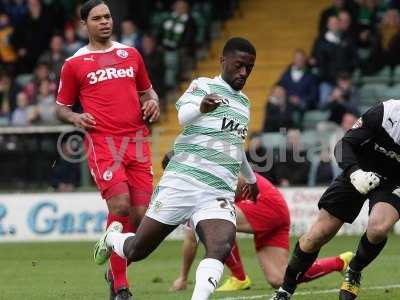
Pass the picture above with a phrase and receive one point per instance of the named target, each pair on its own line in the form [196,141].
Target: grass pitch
[41,271]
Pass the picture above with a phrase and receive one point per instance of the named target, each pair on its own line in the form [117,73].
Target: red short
[270,223]
[113,160]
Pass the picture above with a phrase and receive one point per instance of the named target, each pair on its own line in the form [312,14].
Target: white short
[173,206]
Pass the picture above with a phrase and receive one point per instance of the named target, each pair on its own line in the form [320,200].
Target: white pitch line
[331,291]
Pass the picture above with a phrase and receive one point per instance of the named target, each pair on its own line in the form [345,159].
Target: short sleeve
[68,89]
[194,94]
[142,78]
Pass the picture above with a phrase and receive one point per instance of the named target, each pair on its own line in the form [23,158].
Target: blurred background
[320,64]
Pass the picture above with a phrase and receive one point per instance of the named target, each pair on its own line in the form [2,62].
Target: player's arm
[147,95]
[150,105]
[195,101]
[68,92]
[346,150]
[250,190]
[189,250]
[188,112]
[84,120]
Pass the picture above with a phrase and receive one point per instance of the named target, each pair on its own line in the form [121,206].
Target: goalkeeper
[369,155]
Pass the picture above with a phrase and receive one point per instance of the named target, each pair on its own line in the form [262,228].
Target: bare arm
[150,105]
[189,250]
[65,114]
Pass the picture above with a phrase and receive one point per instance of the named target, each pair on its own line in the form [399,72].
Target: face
[333,24]
[69,34]
[56,43]
[236,68]
[344,21]
[127,27]
[99,23]
[344,84]
[22,100]
[42,72]
[348,121]
[44,88]
[338,3]
[148,44]
[299,60]
[181,8]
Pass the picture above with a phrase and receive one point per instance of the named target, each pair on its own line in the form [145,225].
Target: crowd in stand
[319,97]
[37,36]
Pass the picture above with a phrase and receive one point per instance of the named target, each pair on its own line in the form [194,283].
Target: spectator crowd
[37,36]
[353,64]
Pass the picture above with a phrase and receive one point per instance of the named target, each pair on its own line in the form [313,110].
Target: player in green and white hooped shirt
[199,183]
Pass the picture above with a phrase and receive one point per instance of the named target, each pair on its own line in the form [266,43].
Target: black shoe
[110,281]
[350,286]
[281,295]
[124,294]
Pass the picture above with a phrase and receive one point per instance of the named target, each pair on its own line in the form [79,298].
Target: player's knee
[377,230]
[219,251]
[275,281]
[119,205]
[313,241]
[133,253]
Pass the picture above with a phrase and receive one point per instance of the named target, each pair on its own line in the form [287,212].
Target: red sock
[322,267]
[118,264]
[234,263]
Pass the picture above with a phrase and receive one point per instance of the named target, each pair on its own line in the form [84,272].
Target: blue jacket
[306,88]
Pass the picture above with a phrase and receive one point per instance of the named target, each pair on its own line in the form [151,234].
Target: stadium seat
[310,138]
[364,108]
[396,75]
[23,79]
[393,92]
[373,93]
[384,76]
[273,140]
[312,117]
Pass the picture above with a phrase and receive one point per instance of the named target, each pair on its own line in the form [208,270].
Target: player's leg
[306,251]
[189,249]
[140,179]
[119,209]
[238,279]
[340,203]
[110,177]
[218,236]
[382,218]
[169,208]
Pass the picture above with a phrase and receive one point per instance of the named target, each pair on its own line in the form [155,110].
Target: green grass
[66,271]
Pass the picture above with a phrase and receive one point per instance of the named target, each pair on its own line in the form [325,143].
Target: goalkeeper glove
[364,181]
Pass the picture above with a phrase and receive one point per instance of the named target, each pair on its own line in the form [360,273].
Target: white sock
[116,241]
[208,274]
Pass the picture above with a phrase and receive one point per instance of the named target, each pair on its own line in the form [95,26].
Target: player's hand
[364,181]
[250,191]
[209,103]
[151,110]
[178,285]
[85,121]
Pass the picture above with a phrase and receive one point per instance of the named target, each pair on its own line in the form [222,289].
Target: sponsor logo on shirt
[122,53]
[90,58]
[231,125]
[358,123]
[109,73]
[107,175]
[396,192]
[388,153]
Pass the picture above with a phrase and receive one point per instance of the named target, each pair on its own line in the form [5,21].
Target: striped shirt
[209,150]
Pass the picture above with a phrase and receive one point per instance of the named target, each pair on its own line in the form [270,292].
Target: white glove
[364,181]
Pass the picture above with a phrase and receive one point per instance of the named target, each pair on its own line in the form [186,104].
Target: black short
[344,202]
